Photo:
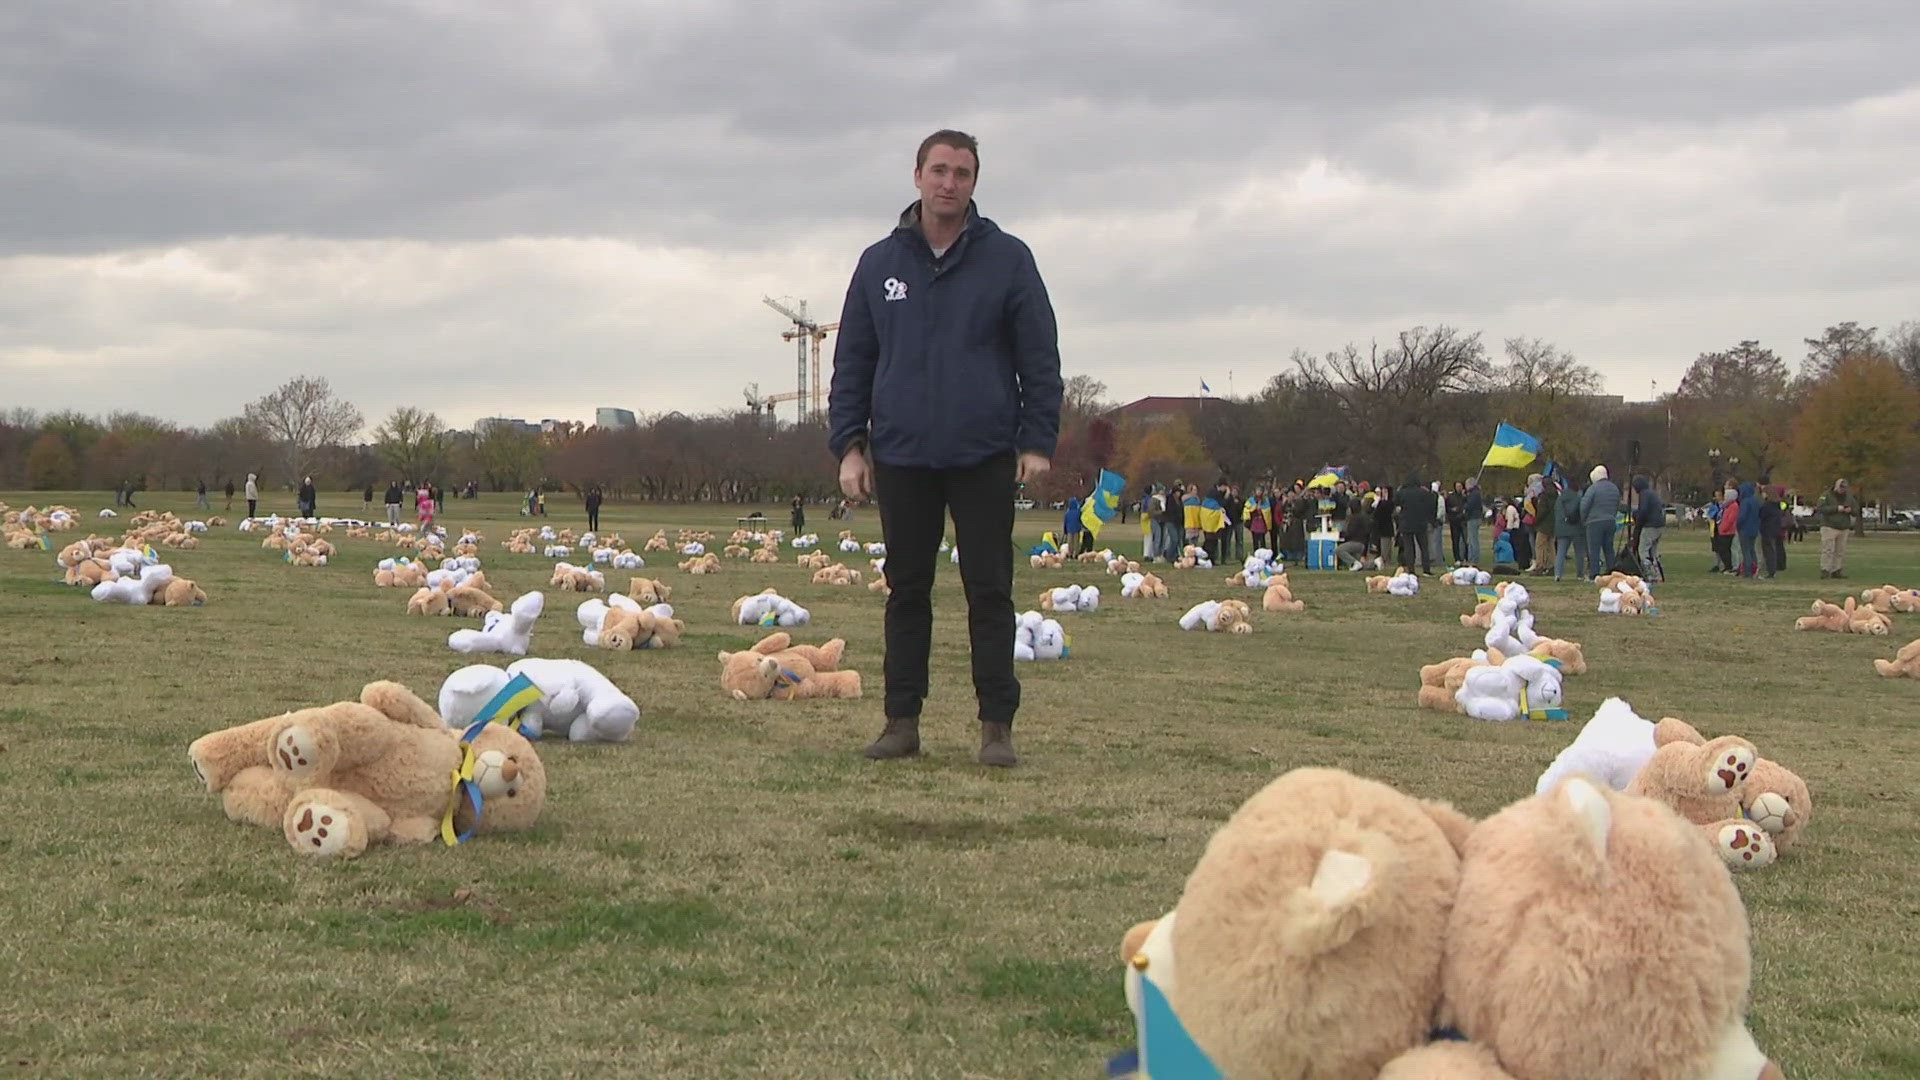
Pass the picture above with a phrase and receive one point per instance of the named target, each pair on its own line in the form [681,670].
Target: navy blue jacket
[943,363]
[1749,523]
[1650,512]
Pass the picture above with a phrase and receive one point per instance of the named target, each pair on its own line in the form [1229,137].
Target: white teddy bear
[1524,687]
[876,550]
[1512,629]
[507,631]
[849,544]
[1072,598]
[693,549]
[106,513]
[772,609]
[1130,583]
[1036,637]
[1403,585]
[1204,615]
[556,551]
[1612,748]
[628,560]
[196,526]
[592,615]
[805,541]
[134,590]
[1469,575]
[578,701]
[547,533]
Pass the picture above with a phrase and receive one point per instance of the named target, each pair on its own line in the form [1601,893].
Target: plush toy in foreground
[338,778]
[1036,637]
[1223,616]
[1402,583]
[1070,598]
[1309,938]
[576,701]
[134,590]
[506,631]
[621,624]
[776,668]
[1845,618]
[1905,662]
[570,578]
[1467,575]
[1133,584]
[1625,595]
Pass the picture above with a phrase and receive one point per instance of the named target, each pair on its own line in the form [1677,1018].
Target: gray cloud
[205,198]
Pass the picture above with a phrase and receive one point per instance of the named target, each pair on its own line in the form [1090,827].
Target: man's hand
[1032,467]
[856,475]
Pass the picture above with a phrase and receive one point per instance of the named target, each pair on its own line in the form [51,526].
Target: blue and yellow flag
[1104,504]
[1205,514]
[1512,448]
[1329,475]
[1165,1047]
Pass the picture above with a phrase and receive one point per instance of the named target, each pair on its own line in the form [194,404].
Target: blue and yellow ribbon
[512,698]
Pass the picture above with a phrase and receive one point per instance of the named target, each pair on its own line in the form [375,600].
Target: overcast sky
[536,208]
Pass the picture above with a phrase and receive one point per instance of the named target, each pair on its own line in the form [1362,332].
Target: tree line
[1424,403]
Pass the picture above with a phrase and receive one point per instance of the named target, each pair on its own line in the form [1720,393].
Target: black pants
[1723,551]
[914,504]
[253,507]
[1416,541]
[1777,551]
[593,518]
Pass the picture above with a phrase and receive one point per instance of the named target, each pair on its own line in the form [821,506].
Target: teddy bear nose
[510,771]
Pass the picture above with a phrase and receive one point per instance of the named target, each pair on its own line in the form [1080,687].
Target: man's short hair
[959,140]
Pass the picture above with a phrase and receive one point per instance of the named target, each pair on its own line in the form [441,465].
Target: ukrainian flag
[1511,448]
[1104,504]
[1329,476]
[1206,514]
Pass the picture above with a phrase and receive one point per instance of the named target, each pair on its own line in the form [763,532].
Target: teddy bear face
[512,779]
[749,676]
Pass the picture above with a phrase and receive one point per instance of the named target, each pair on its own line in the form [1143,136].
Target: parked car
[1023,504]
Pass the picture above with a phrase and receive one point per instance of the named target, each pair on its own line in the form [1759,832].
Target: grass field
[737,893]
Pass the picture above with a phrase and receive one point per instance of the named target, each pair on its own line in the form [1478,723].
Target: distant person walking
[594,499]
[308,498]
[423,502]
[392,501]
[1837,512]
[798,518]
[366,500]
[253,495]
[1650,522]
[229,494]
[200,501]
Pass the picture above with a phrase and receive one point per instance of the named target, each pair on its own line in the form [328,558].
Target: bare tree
[1403,397]
[301,417]
[412,441]
[1738,401]
[1837,343]
[1545,392]
[1083,396]
[1903,342]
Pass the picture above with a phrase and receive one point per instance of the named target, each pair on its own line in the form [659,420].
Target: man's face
[1840,486]
[945,181]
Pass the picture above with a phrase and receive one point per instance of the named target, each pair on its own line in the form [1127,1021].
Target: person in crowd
[1599,511]
[1417,508]
[1519,523]
[253,495]
[1769,527]
[423,504]
[1569,535]
[391,500]
[1384,526]
[1747,527]
[229,494]
[1546,505]
[1356,542]
[1726,520]
[1456,514]
[308,498]
[1235,530]
[366,500]
[1837,512]
[1473,514]
[1776,540]
[1504,529]
[1650,525]
[1071,528]
[1192,535]
[1171,524]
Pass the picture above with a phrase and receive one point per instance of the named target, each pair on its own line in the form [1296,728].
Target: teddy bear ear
[1590,810]
[1456,826]
[1136,936]
[1670,730]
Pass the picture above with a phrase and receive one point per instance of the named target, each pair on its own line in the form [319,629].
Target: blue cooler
[1320,548]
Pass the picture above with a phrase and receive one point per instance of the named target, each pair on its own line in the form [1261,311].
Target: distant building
[550,426]
[487,425]
[1159,410]
[614,418]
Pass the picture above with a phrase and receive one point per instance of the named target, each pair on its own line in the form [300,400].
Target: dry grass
[736,893]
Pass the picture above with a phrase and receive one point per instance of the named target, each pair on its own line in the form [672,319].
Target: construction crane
[757,403]
[808,335]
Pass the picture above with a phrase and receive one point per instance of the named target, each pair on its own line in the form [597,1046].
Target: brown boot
[996,743]
[900,738]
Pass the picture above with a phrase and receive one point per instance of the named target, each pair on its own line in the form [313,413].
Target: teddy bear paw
[321,831]
[1729,769]
[296,751]
[1745,846]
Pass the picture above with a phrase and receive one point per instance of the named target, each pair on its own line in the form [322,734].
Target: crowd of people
[1555,524]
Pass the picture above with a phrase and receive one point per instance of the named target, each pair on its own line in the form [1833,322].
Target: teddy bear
[1440,683]
[1146,586]
[89,572]
[769,608]
[1467,575]
[1825,616]
[427,600]
[1905,662]
[837,574]
[1703,781]
[136,590]
[470,601]
[1310,937]
[1224,616]
[1865,620]
[1070,598]
[179,592]
[1592,926]
[1119,567]
[1510,630]
[1522,687]
[1377,583]
[621,624]
[705,563]
[1036,637]
[570,578]
[506,631]
[1278,597]
[1046,560]
[648,591]
[337,778]
[1404,583]
[1192,558]
[576,701]
[879,584]
[774,669]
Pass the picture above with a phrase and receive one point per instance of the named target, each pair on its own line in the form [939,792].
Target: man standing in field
[1836,513]
[946,393]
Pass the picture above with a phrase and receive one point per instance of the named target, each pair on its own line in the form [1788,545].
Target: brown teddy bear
[1703,781]
[90,572]
[427,600]
[648,592]
[813,560]
[657,542]
[179,592]
[1377,583]
[776,668]
[1592,926]
[337,778]
[1905,662]
[1440,683]
[837,574]
[1310,936]
[1888,599]
[1279,597]
[1572,658]
[1776,799]
[702,564]
[1825,616]
[469,601]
